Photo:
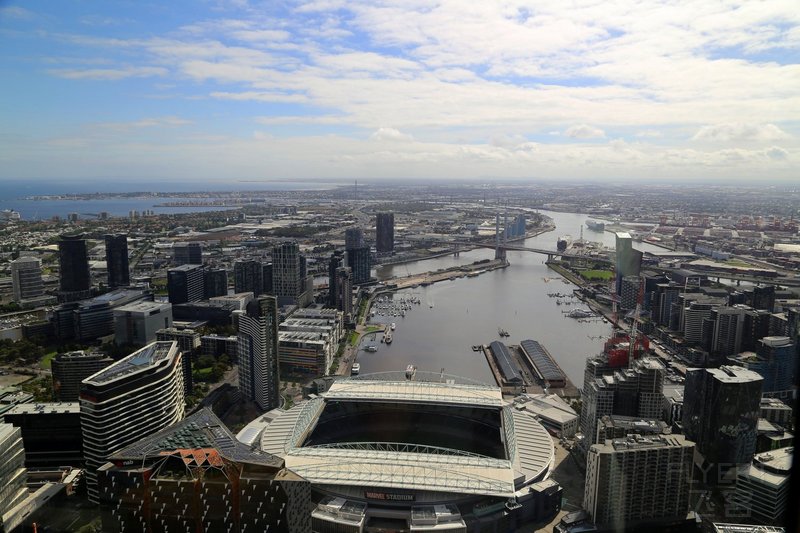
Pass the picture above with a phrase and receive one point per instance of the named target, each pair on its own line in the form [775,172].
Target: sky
[477,89]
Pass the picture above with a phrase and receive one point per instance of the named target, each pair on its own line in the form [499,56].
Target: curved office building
[129,400]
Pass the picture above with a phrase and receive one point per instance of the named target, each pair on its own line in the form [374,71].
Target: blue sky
[197,90]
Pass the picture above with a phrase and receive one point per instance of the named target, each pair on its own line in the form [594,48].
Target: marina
[469,310]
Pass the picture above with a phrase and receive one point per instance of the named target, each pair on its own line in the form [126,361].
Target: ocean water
[14,192]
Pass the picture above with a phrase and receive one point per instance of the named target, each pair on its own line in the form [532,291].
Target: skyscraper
[728,328]
[776,363]
[384,232]
[629,260]
[190,253]
[247,276]
[74,277]
[353,238]
[129,400]
[257,352]
[215,282]
[636,391]
[344,291]
[185,284]
[266,278]
[26,278]
[288,275]
[117,260]
[360,262]
[638,480]
[336,261]
[720,413]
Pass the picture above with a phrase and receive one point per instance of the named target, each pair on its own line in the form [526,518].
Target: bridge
[502,247]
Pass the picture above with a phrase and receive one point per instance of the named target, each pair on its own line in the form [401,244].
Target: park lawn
[595,275]
[45,361]
[204,371]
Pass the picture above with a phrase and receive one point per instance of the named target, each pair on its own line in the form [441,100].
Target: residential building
[360,262]
[629,292]
[70,368]
[778,357]
[336,261]
[637,391]
[638,480]
[257,352]
[195,475]
[720,413]
[762,487]
[138,323]
[353,238]
[187,254]
[185,284]
[344,290]
[308,341]
[384,232]
[75,281]
[247,276]
[290,283]
[26,279]
[728,327]
[13,474]
[128,401]
[117,260]
[693,317]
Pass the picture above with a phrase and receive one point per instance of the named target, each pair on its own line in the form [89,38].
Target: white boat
[581,313]
[355,369]
[411,370]
[393,326]
[371,348]
[387,338]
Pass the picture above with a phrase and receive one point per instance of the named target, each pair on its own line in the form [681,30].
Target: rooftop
[139,361]
[45,408]
[199,431]
[143,307]
[734,374]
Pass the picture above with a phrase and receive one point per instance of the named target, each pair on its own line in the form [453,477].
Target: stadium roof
[410,466]
[415,392]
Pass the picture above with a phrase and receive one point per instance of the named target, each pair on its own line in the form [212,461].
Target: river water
[468,311]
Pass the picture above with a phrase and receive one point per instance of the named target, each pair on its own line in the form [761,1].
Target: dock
[531,377]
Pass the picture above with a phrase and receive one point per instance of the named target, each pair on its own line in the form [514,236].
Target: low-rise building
[137,323]
[762,487]
[552,411]
[188,339]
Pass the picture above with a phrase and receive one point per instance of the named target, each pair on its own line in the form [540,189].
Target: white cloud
[739,131]
[584,131]
[110,74]
[390,134]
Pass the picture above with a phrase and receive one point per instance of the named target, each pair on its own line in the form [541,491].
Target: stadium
[436,453]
